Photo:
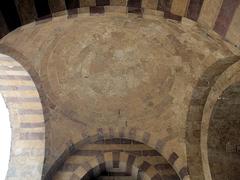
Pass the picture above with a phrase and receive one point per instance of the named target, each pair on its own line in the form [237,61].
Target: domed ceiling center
[114,69]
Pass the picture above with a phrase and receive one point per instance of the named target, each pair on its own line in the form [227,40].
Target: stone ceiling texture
[125,72]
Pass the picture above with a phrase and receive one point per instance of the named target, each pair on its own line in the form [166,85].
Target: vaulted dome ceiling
[140,70]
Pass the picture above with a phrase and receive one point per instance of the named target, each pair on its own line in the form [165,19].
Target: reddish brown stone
[173,157]
[150,153]
[194,9]
[144,166]
[164,5]
[161,167]
[97,10]
[72,4]
[102,2]
[225,16]
[72,13]
[116,157]
[130,162]
[183,172]
[57,5]
[134,3]
[170,15]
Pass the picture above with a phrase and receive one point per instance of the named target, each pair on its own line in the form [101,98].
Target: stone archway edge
[228,77]
[131,165]
[27,121]
[163,146]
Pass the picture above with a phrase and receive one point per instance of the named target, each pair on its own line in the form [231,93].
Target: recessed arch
[223,135]
[195,113]
[229,77]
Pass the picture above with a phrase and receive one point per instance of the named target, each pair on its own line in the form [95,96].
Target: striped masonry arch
[135,166]
[27,121]
[162,145]
[196,113]
[219,16]
[229,77]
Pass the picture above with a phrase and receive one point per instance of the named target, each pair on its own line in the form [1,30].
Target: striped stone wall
[116,157]
[27,121]
[220,15]
[133,141]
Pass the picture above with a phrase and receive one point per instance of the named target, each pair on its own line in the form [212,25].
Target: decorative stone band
[163,145]
[101,10]
[221,16]
[27,121]
[127,163]
[146,13]
[131,6]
